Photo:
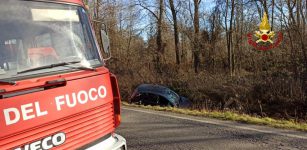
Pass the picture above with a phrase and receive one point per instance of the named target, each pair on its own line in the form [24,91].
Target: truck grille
[80,129]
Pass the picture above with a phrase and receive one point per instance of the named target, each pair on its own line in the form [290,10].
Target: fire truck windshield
[36,34]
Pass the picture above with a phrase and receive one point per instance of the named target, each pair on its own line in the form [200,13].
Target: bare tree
[159,26]
[196,36]
[229,31]
[176,33]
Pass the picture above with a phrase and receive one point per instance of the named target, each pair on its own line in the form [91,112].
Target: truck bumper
[114,142]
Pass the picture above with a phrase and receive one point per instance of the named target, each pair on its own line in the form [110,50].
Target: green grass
[228,115]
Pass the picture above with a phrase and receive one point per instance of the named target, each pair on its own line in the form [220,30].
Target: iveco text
[46,143]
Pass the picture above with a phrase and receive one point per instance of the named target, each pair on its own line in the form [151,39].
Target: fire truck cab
[55,90]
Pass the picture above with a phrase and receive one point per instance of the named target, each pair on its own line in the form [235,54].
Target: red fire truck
[55,91]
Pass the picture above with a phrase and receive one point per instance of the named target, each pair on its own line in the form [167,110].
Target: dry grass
[228,115]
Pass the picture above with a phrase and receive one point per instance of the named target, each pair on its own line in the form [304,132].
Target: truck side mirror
[105,41]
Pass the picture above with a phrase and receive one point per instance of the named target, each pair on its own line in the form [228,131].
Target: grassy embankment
[228,115]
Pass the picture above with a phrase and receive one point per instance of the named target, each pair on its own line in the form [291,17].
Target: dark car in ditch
[157,95]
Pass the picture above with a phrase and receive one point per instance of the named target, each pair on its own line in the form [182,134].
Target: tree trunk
[272,15]
[196,36]
[160,48]
[159,26]
[176,34]
[229,37]
[265,6]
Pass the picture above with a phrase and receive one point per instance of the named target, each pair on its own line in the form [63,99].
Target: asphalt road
[152,130]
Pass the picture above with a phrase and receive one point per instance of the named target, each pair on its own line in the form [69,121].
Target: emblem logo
[264,36]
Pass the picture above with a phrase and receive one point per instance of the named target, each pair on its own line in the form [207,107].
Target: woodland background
[199,48]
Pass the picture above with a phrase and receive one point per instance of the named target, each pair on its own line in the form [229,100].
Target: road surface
[153,130]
